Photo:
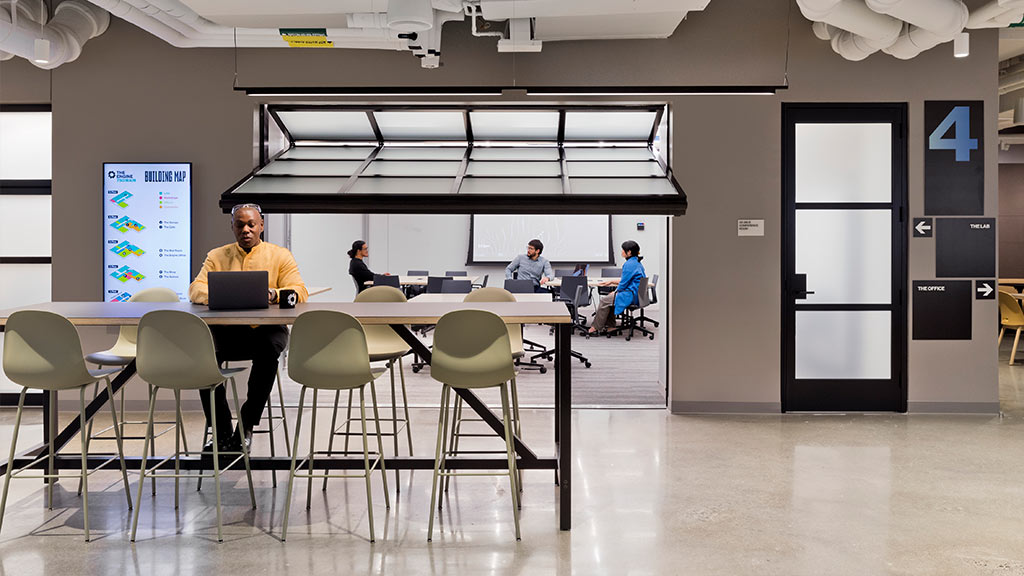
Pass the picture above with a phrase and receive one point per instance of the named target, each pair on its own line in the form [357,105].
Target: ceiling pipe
[877,30]
[996,14]
[73,24]
[931,22]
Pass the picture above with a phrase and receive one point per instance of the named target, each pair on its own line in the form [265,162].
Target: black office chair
[577,286]
[629,322]
[411,290]
[456,287]
[519,286]
[434,283]
[418,273]
[383,280]
[456,273]
[560,272]
[643,320]
[608,273]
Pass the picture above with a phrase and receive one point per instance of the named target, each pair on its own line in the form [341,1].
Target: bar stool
[515,334]
[175,351]
[121,354]
[472,350]
[42,351]
[384,345]
[328,351]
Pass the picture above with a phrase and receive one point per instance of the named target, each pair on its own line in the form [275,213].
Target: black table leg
[563,423]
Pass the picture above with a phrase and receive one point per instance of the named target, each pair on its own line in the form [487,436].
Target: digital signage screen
[147,228]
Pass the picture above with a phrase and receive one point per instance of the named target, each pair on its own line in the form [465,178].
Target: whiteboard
[576,239]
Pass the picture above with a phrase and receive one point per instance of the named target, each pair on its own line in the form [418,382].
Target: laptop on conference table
[238,290]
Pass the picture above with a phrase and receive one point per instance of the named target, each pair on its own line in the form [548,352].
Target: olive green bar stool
[121,354]
[328,351]
[384,345]
[515,334]
[42,351]
[176,352]
[472,350]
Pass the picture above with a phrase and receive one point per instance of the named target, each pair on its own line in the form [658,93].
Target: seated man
[531,266]
[261,344]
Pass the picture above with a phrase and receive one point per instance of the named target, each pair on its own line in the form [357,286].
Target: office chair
[577,286]
[418,273]
[382,280]
[561,272]
[456,273]
[629,322]
[519,286]
[434,283]
[410,290]
[643,320]
[456,287]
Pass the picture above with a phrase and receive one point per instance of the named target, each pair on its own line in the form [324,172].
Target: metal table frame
[527,458]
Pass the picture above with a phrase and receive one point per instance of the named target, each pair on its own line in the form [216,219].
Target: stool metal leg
[10,458]
[394,423]
[270,433]
[245,449]
[177,446]
[206,438]
[439,448]
[366,461]
[334,424]
[142,471]
[88,434]
[291,473]
[449,412]
[405,406]
[152,445]
[348,419]
[511,457]
[380,446]
[312,449]
[49,460]
[216,464]
[119,437]
[85,464]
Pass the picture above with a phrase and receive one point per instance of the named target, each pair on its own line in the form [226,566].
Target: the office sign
[147,228]
[954,171]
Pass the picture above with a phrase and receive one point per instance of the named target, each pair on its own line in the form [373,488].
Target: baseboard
[953,407]
[701,407]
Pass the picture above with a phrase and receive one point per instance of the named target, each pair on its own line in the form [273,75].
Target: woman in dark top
[356,267]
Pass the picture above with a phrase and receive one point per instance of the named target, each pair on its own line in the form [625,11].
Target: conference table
[422,280]
[396,315]
[591,281]
[435,297]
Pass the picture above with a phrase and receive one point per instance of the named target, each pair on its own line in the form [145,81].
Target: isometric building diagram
[124,223]
[126,273]
[122,297]
[122,199]
[126,248]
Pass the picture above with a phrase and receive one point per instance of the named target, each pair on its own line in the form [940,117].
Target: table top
[128,313]
[461,297]
[592,281]
[422,280]
[314,290]
[1019,281]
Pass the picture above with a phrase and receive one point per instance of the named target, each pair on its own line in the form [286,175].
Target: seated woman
[625,293]
[360,273]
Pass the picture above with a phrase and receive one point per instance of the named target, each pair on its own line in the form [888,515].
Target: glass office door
[844,257]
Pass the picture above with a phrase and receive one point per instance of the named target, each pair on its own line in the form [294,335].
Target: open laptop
[238,290]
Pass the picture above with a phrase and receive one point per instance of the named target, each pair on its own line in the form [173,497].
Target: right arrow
[985,289]
[922,227]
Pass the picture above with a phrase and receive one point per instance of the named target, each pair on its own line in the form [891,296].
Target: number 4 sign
[954,171]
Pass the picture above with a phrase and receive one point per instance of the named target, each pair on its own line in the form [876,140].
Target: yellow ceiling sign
[306,37]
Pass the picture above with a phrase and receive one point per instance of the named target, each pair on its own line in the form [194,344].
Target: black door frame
[845,395]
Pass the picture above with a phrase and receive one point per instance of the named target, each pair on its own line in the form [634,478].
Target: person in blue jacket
[625,293]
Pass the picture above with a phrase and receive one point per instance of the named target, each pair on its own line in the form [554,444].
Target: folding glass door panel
[844,257]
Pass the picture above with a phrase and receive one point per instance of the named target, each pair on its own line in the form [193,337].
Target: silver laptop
[238,290]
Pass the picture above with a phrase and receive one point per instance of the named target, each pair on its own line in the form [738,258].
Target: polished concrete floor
[654,494]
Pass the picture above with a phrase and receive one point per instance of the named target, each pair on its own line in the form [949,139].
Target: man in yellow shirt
[261,344]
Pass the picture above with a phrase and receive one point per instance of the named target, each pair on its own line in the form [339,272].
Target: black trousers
[263,345]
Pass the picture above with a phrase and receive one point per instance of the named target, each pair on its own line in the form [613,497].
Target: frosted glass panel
[312,168]
[843,163]
[394,168]
[421,153]
[421,125]
[327,125]
[25,145]
[514,169]
[846,254]
[548,154]
[24,226]
[843,344]
[327,153]
[638,186]
[385,185]
[608,125]
[619,153]
[511,186]
[296,185]
[24,284]
[614,169]
[508,125]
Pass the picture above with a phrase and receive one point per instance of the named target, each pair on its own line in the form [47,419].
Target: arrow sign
[984,289]
[922,227]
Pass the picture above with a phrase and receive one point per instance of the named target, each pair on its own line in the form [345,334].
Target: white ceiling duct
[996,14]
[73,23]
[876,30]
[410,15]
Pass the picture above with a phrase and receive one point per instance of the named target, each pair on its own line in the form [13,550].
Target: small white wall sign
[748,227]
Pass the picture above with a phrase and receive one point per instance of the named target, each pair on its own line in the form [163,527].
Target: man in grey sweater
[531,266]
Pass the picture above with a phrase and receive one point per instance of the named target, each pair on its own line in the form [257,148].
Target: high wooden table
[395,315]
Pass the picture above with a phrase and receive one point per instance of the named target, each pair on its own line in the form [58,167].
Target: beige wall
[130,97]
